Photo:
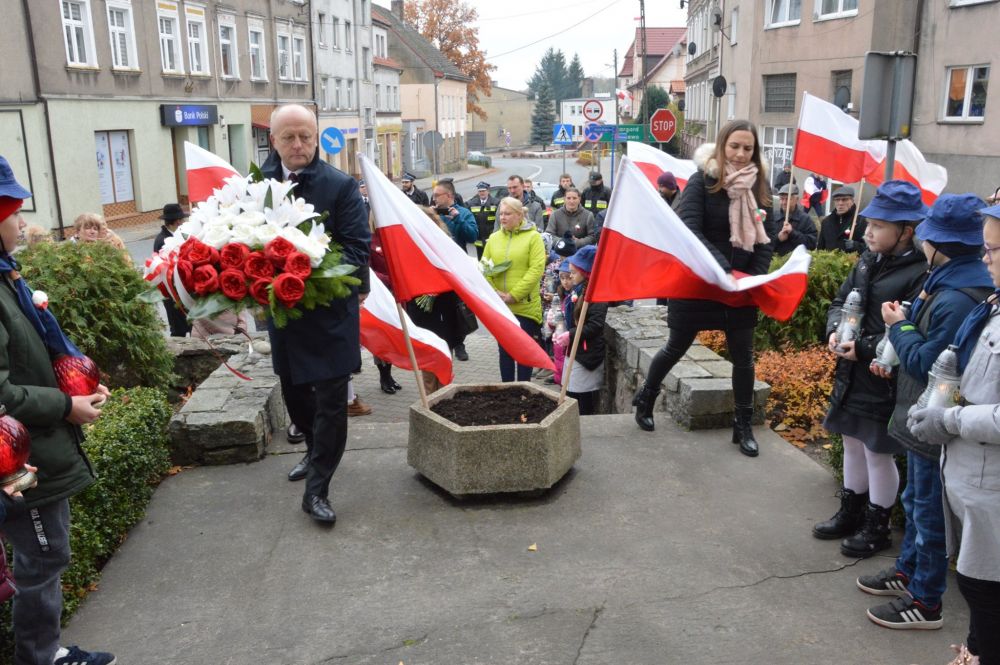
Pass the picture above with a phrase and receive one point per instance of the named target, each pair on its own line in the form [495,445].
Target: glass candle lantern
[885,354]
[850,318]
[943,381]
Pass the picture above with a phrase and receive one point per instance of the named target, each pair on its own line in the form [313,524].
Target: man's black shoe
[319,509]
[299,471]
[295,435]
[461,353]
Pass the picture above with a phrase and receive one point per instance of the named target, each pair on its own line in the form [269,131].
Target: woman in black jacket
[719,206]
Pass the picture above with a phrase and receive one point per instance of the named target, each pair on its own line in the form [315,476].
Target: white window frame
[966,3]
[195,15]
[348,40]
[255,26]
[731,93]
[784,22]
[324,90]
[967,98]
[321,29]
[300,57]
[128,31]
[734,25]
[378,97]
[81,30]
[840,12]
[335,32]
[350,94]
[366,63]
[284,53]
[337,98]
[787,147]
[227,22]
[164,14]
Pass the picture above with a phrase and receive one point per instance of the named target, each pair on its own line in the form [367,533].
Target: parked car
[479,158]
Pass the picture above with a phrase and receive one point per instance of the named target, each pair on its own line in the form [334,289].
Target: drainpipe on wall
[48,120]
[437,122]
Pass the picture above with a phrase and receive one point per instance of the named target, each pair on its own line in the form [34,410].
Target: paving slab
[663,547]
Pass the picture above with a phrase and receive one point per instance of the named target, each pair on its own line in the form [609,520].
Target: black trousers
[983,597]
[320,410]
[179,326]
[740,345]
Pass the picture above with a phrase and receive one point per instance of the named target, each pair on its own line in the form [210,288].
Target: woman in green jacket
[518,241]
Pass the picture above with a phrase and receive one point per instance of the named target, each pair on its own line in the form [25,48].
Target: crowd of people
[939,260]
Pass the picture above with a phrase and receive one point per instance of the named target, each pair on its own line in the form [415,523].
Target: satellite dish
[680,106]
[719,86]
[716,18]
[842,97]
[692,48]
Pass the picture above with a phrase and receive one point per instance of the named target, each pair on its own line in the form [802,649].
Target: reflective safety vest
[596,200]
[485,214]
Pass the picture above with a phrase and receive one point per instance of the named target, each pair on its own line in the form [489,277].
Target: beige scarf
[745,230]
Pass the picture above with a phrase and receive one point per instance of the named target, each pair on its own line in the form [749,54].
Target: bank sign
[173,115]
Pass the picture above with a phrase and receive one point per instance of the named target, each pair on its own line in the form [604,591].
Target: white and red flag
[646,251]
[206,171]
[424,261]
[827,143]
[382,334]
[653,162]
[911,166]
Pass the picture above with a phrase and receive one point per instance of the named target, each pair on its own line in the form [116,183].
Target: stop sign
[663,125]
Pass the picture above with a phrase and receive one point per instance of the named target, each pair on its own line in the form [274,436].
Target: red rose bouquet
[240,249]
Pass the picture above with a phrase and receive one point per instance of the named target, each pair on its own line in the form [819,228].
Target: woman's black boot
[644,401]
[385,379]
[743,431]
[847,520]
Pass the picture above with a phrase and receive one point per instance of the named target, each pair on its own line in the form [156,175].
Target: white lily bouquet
[251,243]
[488,268]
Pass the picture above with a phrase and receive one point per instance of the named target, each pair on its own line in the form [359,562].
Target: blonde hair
[89,220]
[513,205]
[34,234]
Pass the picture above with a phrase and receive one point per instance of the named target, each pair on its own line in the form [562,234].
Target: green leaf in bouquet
[210,306]
[256,175]
[340,270]
[151,296]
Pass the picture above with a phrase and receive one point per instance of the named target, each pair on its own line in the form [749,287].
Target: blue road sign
[593,132]
[332,140]
[562,134]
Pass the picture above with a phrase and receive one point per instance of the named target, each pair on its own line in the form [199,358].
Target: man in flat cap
[839,230]
[797,229]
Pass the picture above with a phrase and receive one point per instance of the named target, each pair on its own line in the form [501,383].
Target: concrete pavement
[668,547]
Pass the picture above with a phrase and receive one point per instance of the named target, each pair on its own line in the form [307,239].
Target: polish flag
[424,260]
[382,334]
[827,142]
[653,162]
[810,187]
[646,251]
[910,166]
[205,172]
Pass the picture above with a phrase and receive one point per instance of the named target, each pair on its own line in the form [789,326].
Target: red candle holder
[77,375]
[15,447]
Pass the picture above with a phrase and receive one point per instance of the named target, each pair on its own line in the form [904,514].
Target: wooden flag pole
[413,356]
[857,208]
[568,366]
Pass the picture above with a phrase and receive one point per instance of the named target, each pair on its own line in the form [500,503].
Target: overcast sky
[604,25]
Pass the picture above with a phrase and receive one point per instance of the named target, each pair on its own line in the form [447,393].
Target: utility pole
[642,38]
[614,90]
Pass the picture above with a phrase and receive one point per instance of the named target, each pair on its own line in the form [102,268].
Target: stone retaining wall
[697,392]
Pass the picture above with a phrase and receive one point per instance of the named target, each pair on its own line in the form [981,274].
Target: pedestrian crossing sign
[562,134]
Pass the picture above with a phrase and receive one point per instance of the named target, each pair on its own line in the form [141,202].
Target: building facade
[664,65]
[508,121]
[702,67]
[388,113]
[432,90]
[98,123]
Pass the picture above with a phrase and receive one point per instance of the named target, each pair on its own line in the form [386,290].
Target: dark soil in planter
[510,406]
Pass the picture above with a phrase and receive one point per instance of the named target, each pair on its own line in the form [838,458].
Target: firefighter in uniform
[597,196]
[559,197]
[484,208]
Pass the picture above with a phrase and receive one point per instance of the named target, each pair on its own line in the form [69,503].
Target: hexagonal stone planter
[494,458]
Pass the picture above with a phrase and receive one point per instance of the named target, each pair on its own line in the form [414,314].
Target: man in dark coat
[173,215]
[414,193]
[314,356]
[783,178]
[799,229]
[484,208]
[835,229]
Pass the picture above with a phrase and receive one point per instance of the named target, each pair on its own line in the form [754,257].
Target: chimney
[397,9]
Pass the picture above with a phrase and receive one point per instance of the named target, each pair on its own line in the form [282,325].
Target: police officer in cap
[597,196]
[416,195]
[835,229]
[484,208]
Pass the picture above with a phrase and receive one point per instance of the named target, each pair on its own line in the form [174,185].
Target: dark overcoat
[325,342]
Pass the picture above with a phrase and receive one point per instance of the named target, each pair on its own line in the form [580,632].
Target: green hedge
[92,289]
[128,448]
[827,272]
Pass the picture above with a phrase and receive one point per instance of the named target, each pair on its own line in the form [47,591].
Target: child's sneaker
[889,582]
[77,656]
[906,613]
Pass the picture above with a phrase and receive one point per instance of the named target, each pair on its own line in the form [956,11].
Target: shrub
[801,382]
[92,291]
[128,449]
[827,272]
